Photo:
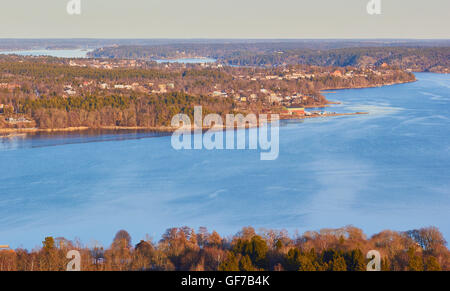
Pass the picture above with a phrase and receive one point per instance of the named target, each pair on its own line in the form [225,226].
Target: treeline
[114,110]
[417,59]
[343,249]
[53,94]
[407,56]
[52,68]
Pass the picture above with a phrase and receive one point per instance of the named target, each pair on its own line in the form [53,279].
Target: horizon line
[212,38]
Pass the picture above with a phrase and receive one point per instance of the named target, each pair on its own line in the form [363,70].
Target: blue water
[76,53]
[188,61]
[386,170]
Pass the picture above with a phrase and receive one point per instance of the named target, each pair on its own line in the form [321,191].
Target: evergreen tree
[432,265]
[338,264]
[415,262]
[230,264]
[355,261]
[245,264]
[306,264]
[48,244]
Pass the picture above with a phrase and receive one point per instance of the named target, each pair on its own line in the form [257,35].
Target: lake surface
[77,53]
[188,61]
[386,170]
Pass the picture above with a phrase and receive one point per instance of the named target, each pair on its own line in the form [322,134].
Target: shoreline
[13,132]
[323,115]
[7,132]
[365,87]
[83,128]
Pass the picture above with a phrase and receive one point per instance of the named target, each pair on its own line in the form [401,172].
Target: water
[63,53]
[386,170]
[188,61]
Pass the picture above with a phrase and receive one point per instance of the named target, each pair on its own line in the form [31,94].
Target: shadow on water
[46,139]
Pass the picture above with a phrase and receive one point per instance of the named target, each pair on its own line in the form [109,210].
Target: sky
[225,19]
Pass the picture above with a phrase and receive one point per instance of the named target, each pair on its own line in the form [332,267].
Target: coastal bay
[386,169]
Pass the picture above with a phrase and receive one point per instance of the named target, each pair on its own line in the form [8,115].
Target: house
[3,108]
[220,94]
[17,120]
[162,88]
[297,96]
[274,98]
[120,86]
[336,73]
[6,249]
[104,86]
[296,111]
[9,86]
[69,90]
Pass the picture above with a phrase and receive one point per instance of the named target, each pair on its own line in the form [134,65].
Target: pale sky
[225,19]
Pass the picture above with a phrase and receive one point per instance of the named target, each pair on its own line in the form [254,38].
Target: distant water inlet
[74,53]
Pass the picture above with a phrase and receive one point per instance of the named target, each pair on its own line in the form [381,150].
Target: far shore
[364,87]
[169,129]
[84,128]
[161,129]
[12,132]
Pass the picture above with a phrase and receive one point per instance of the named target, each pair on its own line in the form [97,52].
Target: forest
[184,249]
[417,57]
[54,94]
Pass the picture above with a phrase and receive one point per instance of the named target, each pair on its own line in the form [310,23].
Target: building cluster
[106,64]
[264,95]
[298,74]
[8,110]
[110,64]
[135,86]
[71,90]
[10,86]
[15,120]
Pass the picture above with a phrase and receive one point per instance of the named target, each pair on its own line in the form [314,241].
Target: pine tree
[306,264]
[432,265]
[245,264]
[230,264]
[356,261]
[48,243]
[338,264]
[415,262]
